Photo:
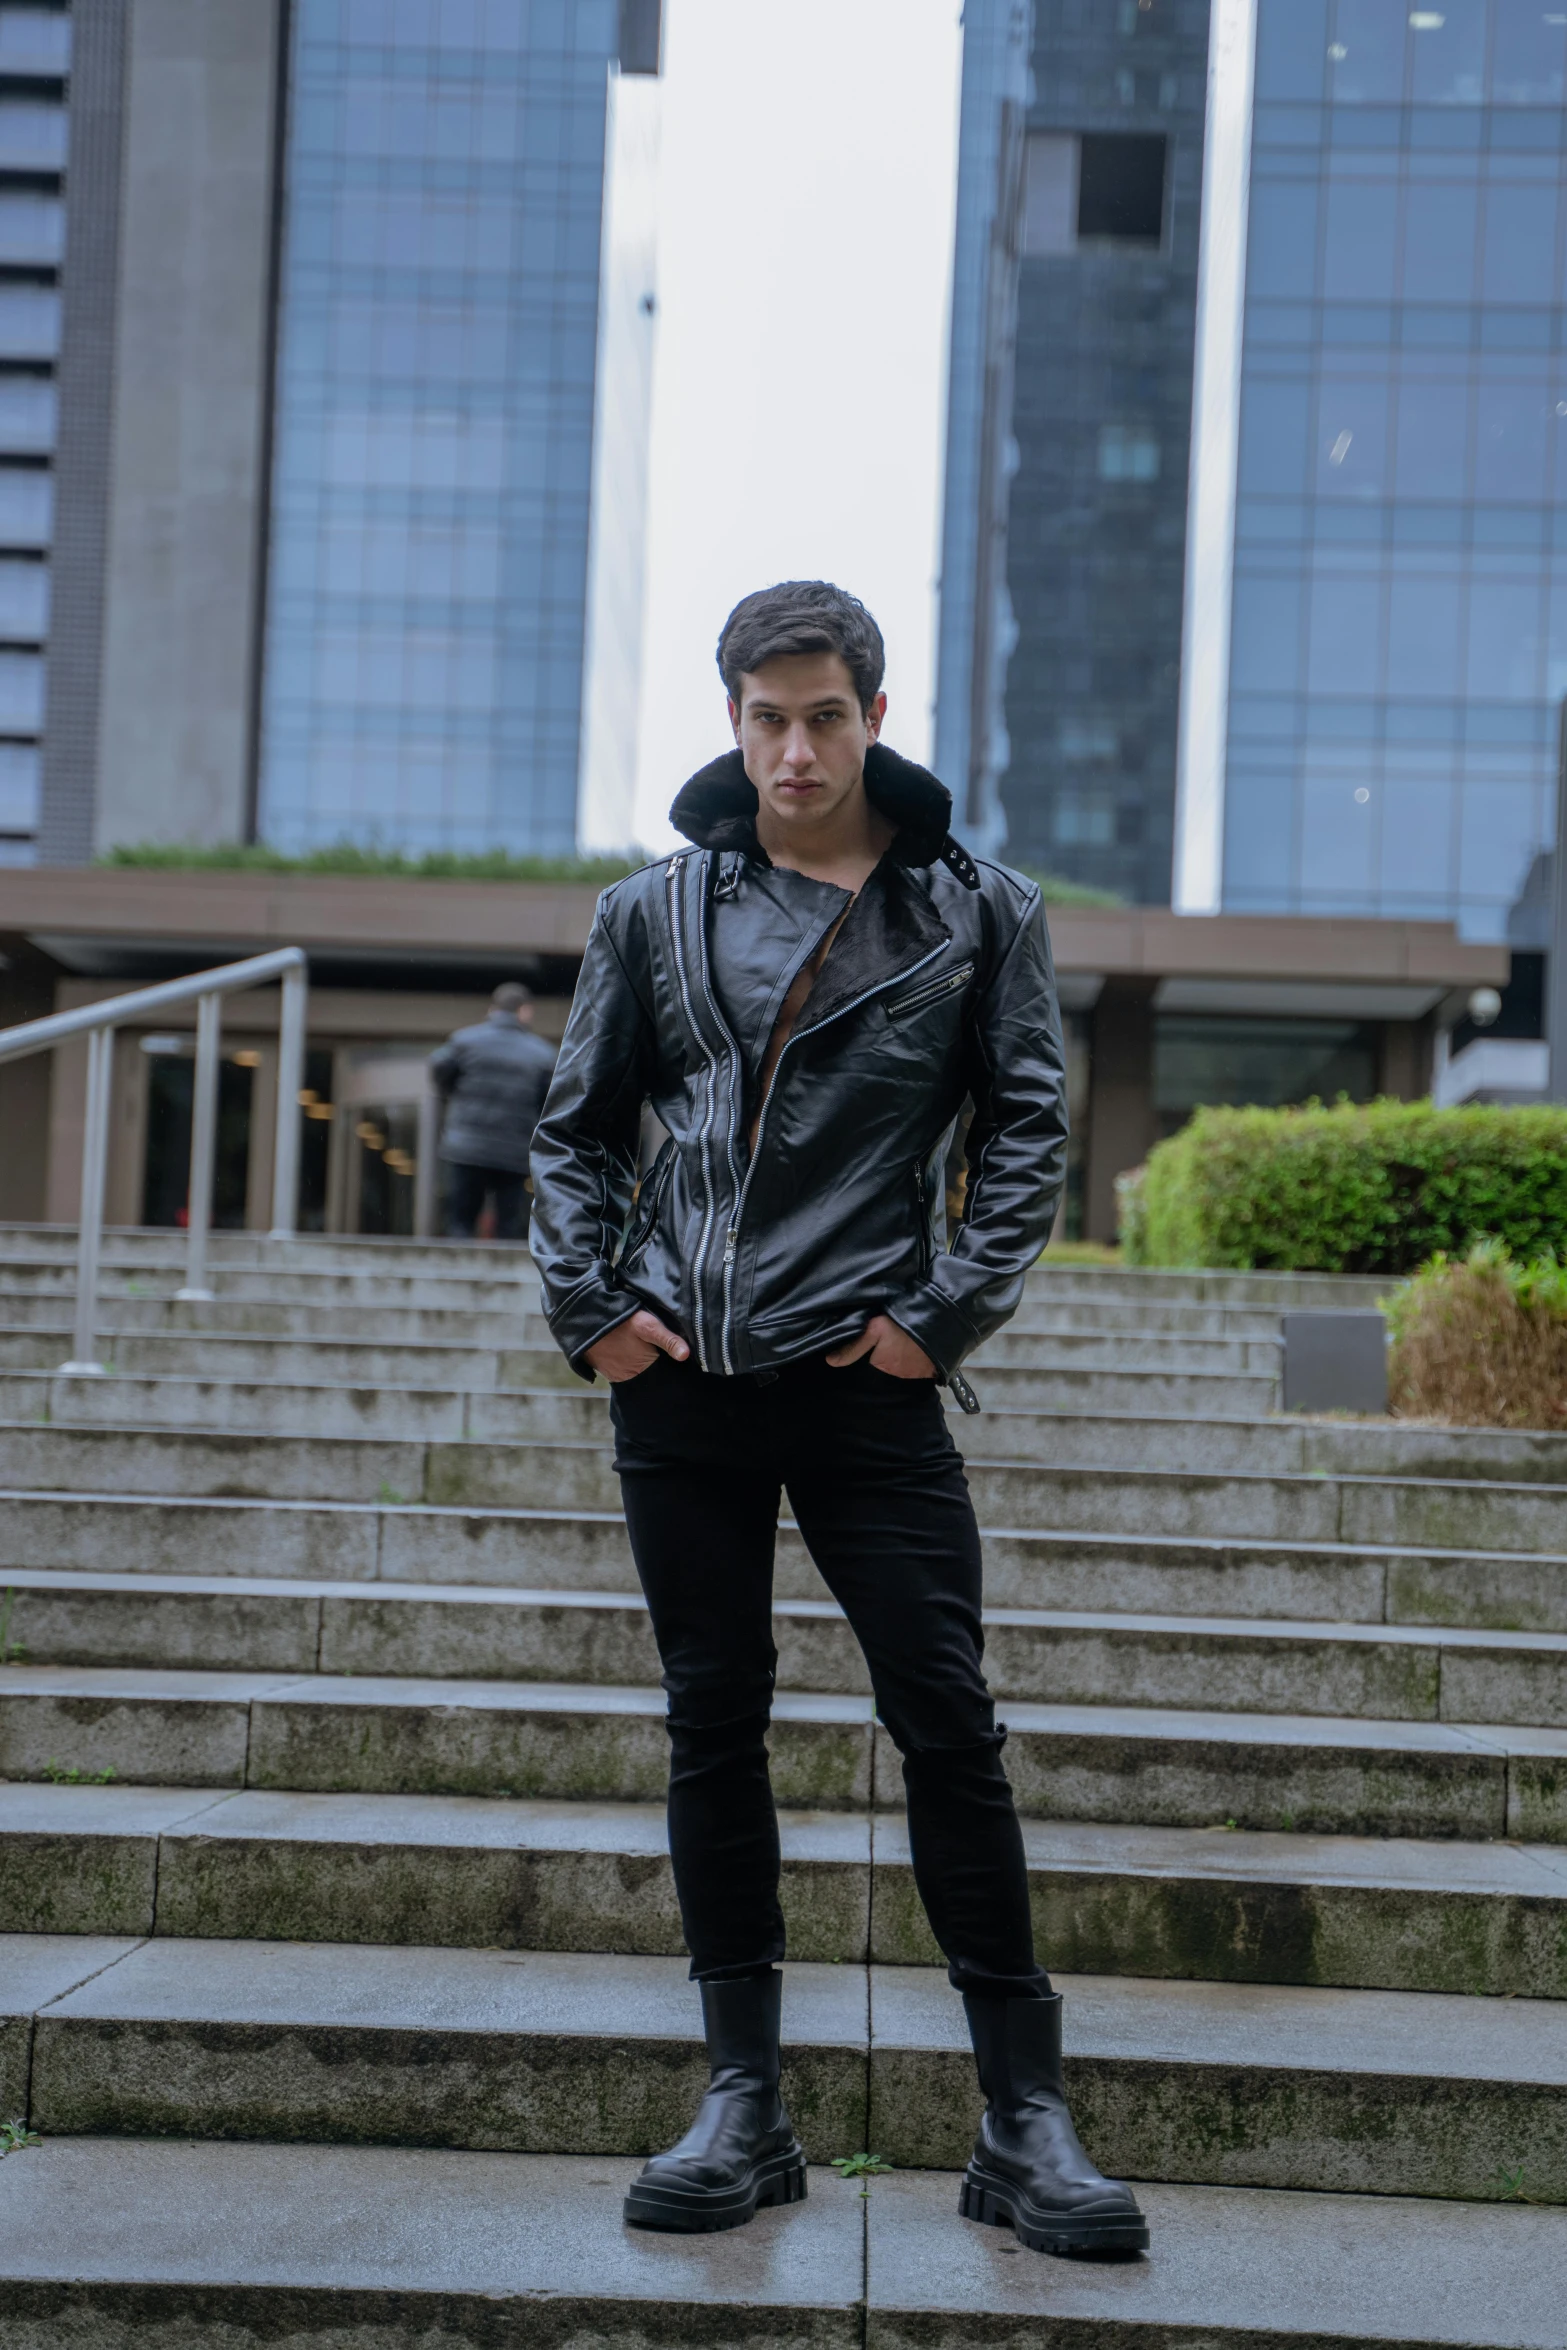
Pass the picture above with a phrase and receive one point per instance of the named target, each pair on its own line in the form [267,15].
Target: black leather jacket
[938,987]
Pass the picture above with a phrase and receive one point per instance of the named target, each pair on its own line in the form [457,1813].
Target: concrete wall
[187,486]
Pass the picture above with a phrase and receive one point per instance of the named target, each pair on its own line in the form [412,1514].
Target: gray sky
[805,241]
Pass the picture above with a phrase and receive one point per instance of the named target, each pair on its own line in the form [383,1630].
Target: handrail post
[95,1155]
[203,1143]
[290,1080]
[426,1172]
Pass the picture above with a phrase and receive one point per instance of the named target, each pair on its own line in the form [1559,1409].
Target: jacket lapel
[890,929]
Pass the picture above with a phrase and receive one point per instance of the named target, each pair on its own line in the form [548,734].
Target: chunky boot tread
[997,2203]
[681,2207]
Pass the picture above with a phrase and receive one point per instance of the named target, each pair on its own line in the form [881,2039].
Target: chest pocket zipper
[930,991]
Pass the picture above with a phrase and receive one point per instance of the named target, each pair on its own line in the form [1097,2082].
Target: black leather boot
[741,2151]
[1028,2170]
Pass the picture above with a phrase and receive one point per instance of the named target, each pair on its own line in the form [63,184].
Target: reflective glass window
[1423,636]
[1520,244]
[1282,239]
[1358,243]
[1529,54]
[434,425]
[1448,46]
[1440,224]
[1275,436]
[1292,46]
[1410,274]
[1366,53]
[1351,451]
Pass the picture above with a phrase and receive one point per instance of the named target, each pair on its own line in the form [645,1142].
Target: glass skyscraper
[1398,543]
[1069,421]
[1287,540]
[438,330]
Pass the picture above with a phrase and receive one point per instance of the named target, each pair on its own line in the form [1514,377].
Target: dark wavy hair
[802,616]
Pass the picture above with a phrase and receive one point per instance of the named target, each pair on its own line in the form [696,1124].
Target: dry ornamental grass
[1481,1343]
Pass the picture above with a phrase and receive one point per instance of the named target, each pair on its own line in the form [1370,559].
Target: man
[808,998]
[493,1078]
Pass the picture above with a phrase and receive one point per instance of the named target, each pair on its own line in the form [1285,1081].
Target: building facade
[1286,546]
[328,352]
[35,50]
[1377,730]
[1084,592]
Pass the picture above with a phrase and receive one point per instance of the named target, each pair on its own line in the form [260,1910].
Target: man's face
[803,735]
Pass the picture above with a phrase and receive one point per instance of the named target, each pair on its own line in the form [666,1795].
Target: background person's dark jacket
[494,1077]
[937,987]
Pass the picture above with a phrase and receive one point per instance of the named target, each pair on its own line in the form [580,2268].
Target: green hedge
[1374,1189]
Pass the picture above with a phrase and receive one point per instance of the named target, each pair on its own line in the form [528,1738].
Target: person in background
[492,1079]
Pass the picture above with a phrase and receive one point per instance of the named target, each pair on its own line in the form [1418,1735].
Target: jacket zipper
[922,1218]
[732,1237]
[705,1130]
[932,992]
[648,1206]
[710,1205]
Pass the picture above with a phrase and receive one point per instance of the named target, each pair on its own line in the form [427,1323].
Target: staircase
[339,1957]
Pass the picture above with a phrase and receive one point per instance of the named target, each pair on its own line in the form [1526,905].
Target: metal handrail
[99,1022]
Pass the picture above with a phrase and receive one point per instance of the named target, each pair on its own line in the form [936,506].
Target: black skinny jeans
[878,1491]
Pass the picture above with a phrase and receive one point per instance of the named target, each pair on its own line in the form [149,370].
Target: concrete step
[462,1872]
[1143,1285]
[1166,1903]
[444,1631]
[133,1246]
[486,1292]
[238,1355]
[1314,1507]
[1047,1307]
[565,1550]
[537,2052]
[560,2053]
[497,1277]
[271,1317]
[1142,1765]
[1353,2092]
[141,1244]
[230,1392]
[1016,1429]
[146,1335]
[136,1303]
[122,2240]
[1110,1374]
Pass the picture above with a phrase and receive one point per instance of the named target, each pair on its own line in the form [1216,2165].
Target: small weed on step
[14,2136]
[58,1775]
[863,2167]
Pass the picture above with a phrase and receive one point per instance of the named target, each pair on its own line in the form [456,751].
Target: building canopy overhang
[127,921]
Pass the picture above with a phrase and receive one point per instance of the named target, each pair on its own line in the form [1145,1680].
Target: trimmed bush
[1481,1344]
[1374,1189]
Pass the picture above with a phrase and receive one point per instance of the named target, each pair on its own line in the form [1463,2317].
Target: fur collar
[717,810]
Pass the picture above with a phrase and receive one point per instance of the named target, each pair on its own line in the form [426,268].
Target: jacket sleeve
[584,1156]
[445,1067]
[1016,1155]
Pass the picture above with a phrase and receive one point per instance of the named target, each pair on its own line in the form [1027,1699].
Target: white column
[1198,878]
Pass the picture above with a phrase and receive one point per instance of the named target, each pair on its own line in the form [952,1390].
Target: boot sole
[995,2203]
[695,2211]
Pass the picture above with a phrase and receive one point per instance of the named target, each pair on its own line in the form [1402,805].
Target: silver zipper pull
[729,1246]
